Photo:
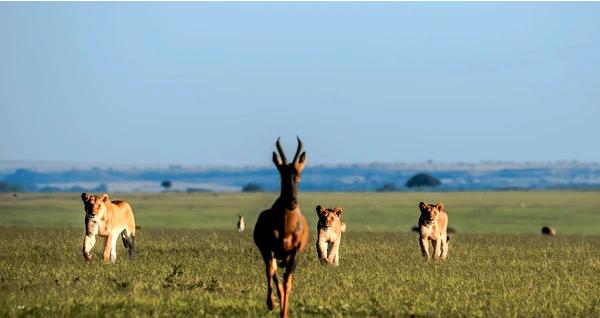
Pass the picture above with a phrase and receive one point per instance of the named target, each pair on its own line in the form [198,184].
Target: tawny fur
[109,220]
[241,224]
[282,231]
[433,226]
[329,231]
[547,230]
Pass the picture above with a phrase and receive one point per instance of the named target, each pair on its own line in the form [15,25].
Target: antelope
[282,231]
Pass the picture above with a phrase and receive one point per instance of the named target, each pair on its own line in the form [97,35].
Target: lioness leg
[113,247]
[107,244]
[88,243]
[437,248]
[322,249]
[333,256]
[131,250]
[425,248]
[129,242]
[131,236]
[444,240]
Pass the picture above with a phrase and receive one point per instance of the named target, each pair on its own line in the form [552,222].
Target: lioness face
[430,212]
[94,205]
[327,217]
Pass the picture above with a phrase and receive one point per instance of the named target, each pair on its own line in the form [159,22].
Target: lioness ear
[338,211]
[319,210]
[422,206]
[104,197]
[439,206]
[85,196]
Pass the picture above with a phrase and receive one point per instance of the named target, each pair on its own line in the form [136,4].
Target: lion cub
[110,220]
[433,225]
[329,230]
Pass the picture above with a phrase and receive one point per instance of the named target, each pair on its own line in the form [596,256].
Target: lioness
[329,229]
[107,219]
[433,225]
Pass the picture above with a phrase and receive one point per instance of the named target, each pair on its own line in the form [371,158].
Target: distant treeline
[321,178]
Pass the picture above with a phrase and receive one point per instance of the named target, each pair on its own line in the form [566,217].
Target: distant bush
[252,187]
[423,180]
[76,188]
[387,187]
[166,184]
[51,189]
[194,190]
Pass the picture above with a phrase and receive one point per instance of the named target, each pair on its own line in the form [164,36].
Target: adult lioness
[433,225]
[329,231]
[107,219]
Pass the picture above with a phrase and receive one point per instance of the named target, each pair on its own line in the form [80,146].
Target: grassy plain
[570,212]
[192,263]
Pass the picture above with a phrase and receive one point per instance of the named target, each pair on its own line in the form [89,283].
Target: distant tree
[252,187]
[8,187]
[166,184]
[423,180]
[24,176]
[387,187]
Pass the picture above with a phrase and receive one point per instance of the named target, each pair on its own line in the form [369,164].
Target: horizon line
[13,164]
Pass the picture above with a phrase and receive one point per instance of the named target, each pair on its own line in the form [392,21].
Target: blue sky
[217,83]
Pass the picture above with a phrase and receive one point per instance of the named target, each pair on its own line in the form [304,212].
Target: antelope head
[291,173]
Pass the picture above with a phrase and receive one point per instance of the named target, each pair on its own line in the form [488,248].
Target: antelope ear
[302,157]
[338,211]
[276,160]
[85,197]
[104,197]
[299,165]
[439,206]
[422,206]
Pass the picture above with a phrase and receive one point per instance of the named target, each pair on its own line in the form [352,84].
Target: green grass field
[469,212]
[192,262]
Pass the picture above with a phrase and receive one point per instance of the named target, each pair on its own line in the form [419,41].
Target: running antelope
[281,231]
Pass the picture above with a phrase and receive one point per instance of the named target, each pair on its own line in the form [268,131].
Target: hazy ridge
[40,176]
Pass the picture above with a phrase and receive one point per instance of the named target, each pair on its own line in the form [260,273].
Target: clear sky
[217,83]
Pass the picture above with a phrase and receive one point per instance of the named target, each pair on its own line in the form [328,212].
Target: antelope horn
[281,153]
[299,151]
